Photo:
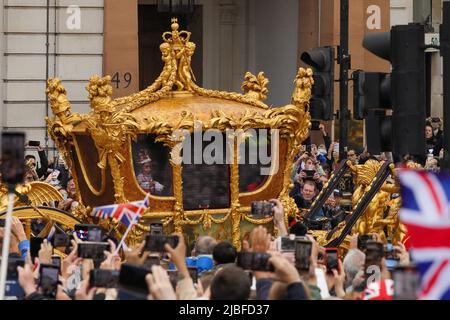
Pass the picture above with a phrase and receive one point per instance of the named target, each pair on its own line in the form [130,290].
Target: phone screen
[156,243]
[362,241]
[287,244]
[56,261]
[156,228]
[374,253]
[13,263]
[92,250]
[303,255]
[87,232]
[406,283]
[332,259]
[100,278]
[254,261]
[33,143]
[132,278]
[35,246]
[12,166]
[48,280]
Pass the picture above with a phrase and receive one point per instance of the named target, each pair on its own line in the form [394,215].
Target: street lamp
[176,6]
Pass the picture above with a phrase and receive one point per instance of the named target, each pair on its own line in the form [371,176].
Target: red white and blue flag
[426,214]
[127,213]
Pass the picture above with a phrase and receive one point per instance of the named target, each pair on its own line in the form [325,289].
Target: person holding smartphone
[41,171]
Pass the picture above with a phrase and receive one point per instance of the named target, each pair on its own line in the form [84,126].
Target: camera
[100,278]
[303,249]
[48,280]
[88,232]
[262,208]
[255,261]
[156,242]
[92,250]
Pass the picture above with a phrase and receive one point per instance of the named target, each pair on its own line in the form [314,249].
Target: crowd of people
[213,270]
[218,273]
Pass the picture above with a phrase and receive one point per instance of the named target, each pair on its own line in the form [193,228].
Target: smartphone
[151,261]
[2,223]
[303,250]
[336,148]
[89,232]
[255,261]
[374,253]
[56,261]
[101,278]
[13,263]
[262,208]
[48,280]
[33,143]
[406,283]
[391,256]
[132,278]
[12,165]
[173,276]
[35,246]
[155,242]
[315,125]
[156,228]
[60,240]
[332,259]
[92,250]
[286,244]
[309,173]
[362,241]
[193,272]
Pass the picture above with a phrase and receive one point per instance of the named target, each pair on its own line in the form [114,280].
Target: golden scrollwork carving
[255,86]
[110,129]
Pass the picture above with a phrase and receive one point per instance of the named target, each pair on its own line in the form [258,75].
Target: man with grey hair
[353,263]
[202,254]
[204,246]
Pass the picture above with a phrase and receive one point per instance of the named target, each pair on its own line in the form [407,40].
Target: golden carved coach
[110,149]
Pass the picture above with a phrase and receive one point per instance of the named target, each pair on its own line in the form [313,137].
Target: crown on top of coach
[176,38]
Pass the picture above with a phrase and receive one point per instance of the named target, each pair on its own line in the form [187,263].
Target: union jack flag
[126,213]
[426,214]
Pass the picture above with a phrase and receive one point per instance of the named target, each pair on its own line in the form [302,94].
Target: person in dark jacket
[41,170]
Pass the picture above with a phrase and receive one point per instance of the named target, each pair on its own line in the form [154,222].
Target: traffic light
[404,48]
[322,61]
[371,90]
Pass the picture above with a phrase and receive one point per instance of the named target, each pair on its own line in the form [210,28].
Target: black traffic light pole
[445,52]
[344,62]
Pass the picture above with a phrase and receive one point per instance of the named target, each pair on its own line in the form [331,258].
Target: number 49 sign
[122,81]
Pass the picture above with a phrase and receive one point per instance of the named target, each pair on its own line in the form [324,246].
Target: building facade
[74,39]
